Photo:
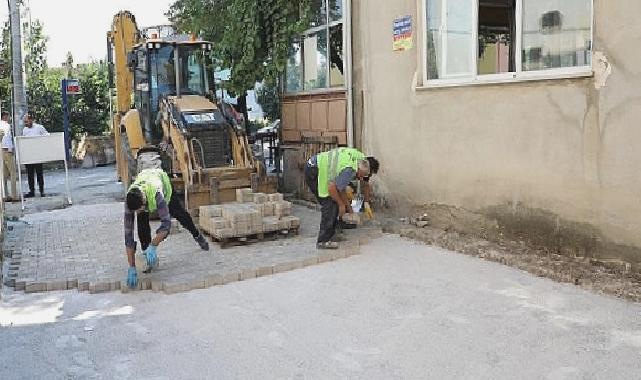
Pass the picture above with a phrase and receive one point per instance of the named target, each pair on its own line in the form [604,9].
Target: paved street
[487,147]
[81,247]
[399,310]
[88,187]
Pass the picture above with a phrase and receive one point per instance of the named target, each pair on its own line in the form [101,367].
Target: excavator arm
[128,136]
[122,38]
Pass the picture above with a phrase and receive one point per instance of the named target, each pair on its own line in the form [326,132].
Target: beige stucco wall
[560,145]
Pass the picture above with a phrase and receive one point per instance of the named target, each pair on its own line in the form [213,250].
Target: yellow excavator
[166,115]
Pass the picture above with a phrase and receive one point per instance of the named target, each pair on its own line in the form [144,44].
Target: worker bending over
[328,175]
[152,191]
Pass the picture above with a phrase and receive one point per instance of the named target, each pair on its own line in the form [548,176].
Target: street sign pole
[69,87]
[65,112]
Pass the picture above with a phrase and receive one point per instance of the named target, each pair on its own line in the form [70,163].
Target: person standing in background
[8,157]
[34,129]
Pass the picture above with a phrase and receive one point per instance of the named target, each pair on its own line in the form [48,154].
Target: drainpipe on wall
[347,42]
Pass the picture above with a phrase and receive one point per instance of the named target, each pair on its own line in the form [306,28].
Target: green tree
[36,54]
[41,99]
[69,64]
[268,97]
[45,101]
[89,112]
[251,37]
[5,68]
[196,16]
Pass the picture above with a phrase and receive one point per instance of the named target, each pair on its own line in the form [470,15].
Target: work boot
[30,195]
[202,242]
[327,245]
[42,194]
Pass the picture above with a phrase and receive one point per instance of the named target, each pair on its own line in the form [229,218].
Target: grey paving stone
[57,285]
[83,286]
[156,285]
[175,287]
[100,287]
[213,280]
[324,257]
[36,287]
[338,254]
[197,283]
[248,274]
[310,261]
[124,288]
[283,267]
[81,247]
[265,271]
[230,277]
[297,264]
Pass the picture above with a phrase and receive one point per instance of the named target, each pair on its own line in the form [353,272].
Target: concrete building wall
[562,146]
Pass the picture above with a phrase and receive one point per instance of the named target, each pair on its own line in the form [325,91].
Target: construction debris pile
[420,221]
[251,214]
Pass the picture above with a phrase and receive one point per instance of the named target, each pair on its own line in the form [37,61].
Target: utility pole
[19,91]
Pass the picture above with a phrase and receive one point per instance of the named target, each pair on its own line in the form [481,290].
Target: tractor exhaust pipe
[177,67]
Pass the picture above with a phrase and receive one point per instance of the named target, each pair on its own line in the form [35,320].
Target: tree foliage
[268,97]
[41,86]
[88,112]
[251,37]
[36,54]
[5,68]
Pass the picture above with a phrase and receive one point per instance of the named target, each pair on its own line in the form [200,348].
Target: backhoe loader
[166,115]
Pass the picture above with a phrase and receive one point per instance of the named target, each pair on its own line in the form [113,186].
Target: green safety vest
[150,182]
[331,164]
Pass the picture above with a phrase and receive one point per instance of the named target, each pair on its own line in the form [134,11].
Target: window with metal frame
[479,41]
[316,58]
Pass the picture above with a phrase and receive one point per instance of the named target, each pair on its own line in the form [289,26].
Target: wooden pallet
[252,238]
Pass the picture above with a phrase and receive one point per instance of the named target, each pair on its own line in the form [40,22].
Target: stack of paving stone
[353,218]
[251,214]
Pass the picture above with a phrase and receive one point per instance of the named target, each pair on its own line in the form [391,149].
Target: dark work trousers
[33,169]
[329,208]
[176,210]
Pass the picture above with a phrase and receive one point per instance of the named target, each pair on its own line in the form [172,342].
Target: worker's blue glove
[132,278]
[152,257]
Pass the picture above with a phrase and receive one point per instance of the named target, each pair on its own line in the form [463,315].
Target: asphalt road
[399,311]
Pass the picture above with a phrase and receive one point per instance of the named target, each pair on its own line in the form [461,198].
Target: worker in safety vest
[152,192]
[328,176]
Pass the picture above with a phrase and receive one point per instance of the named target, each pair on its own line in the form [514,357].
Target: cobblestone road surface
[81,247]
[403,310]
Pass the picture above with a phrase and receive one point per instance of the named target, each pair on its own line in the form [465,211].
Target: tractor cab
[168,69]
